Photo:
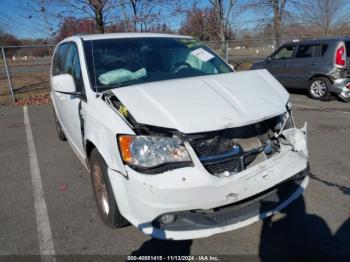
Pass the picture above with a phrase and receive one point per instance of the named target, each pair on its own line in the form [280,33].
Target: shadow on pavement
[299,236]
[302,91]
[298,91]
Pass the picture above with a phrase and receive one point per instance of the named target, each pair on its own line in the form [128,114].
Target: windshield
[115,63]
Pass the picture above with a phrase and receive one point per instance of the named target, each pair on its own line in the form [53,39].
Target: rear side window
[315,50]
[59,59]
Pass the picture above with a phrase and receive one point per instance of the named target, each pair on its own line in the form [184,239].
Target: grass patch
[25,85]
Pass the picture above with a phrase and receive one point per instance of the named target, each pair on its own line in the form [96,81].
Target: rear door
[279,62]
[307,63]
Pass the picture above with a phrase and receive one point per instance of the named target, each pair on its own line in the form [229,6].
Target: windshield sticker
[202,54]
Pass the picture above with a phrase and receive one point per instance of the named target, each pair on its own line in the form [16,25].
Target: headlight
[148,151]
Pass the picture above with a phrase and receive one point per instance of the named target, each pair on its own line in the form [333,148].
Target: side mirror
[64,84]
[231,65]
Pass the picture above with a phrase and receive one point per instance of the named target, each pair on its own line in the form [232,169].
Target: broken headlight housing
[151,151]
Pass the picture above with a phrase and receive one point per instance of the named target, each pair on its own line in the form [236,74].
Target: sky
[14,19]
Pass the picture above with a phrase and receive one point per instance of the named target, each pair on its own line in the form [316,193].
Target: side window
[73,67]
[305,51]
[59,59]
[315,50]
[285,52]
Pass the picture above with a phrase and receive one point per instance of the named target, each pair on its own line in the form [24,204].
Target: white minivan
[176,142]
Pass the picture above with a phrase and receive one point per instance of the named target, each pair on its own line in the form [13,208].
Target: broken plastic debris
[298,138]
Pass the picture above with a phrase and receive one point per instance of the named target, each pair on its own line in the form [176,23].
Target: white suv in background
[176,143]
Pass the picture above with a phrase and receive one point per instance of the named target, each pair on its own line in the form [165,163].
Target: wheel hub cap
[318,88]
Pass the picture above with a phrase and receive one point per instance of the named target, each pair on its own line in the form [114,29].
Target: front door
[278,64]
[307,62]
[70,105]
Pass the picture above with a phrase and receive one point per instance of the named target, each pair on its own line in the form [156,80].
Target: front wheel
[319,88]
[104,196]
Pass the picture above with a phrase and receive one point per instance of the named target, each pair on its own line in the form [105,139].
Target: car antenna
[93,66]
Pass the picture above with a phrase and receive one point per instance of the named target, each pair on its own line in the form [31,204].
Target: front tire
[319,88]
[104,196]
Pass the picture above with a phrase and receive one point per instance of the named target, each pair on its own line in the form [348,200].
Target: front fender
[101,126]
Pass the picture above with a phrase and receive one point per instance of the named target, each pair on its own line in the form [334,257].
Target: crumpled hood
[206,103]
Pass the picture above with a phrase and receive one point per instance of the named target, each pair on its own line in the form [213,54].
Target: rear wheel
[60,133]
[104,196]
[320,88]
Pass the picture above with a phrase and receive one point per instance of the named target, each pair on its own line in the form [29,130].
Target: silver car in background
[320,66]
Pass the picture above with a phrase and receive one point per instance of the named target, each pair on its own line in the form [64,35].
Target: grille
[213,146]
[219,168]
[219,145]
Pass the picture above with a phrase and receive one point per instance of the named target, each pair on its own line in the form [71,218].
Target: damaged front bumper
[204,204]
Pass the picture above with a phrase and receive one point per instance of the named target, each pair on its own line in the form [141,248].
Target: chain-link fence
[24,72]
[242,53]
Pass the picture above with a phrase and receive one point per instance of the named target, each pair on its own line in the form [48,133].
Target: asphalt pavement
[316,224]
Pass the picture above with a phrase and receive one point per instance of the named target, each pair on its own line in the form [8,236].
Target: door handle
[286,65]
[314,63]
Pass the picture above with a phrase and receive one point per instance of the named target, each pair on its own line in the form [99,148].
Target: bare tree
[324,15]
[142,13]
[135,8]
[223,12]
[275,9]
[41,12]
[278,7]
[96,9]
[50,11]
